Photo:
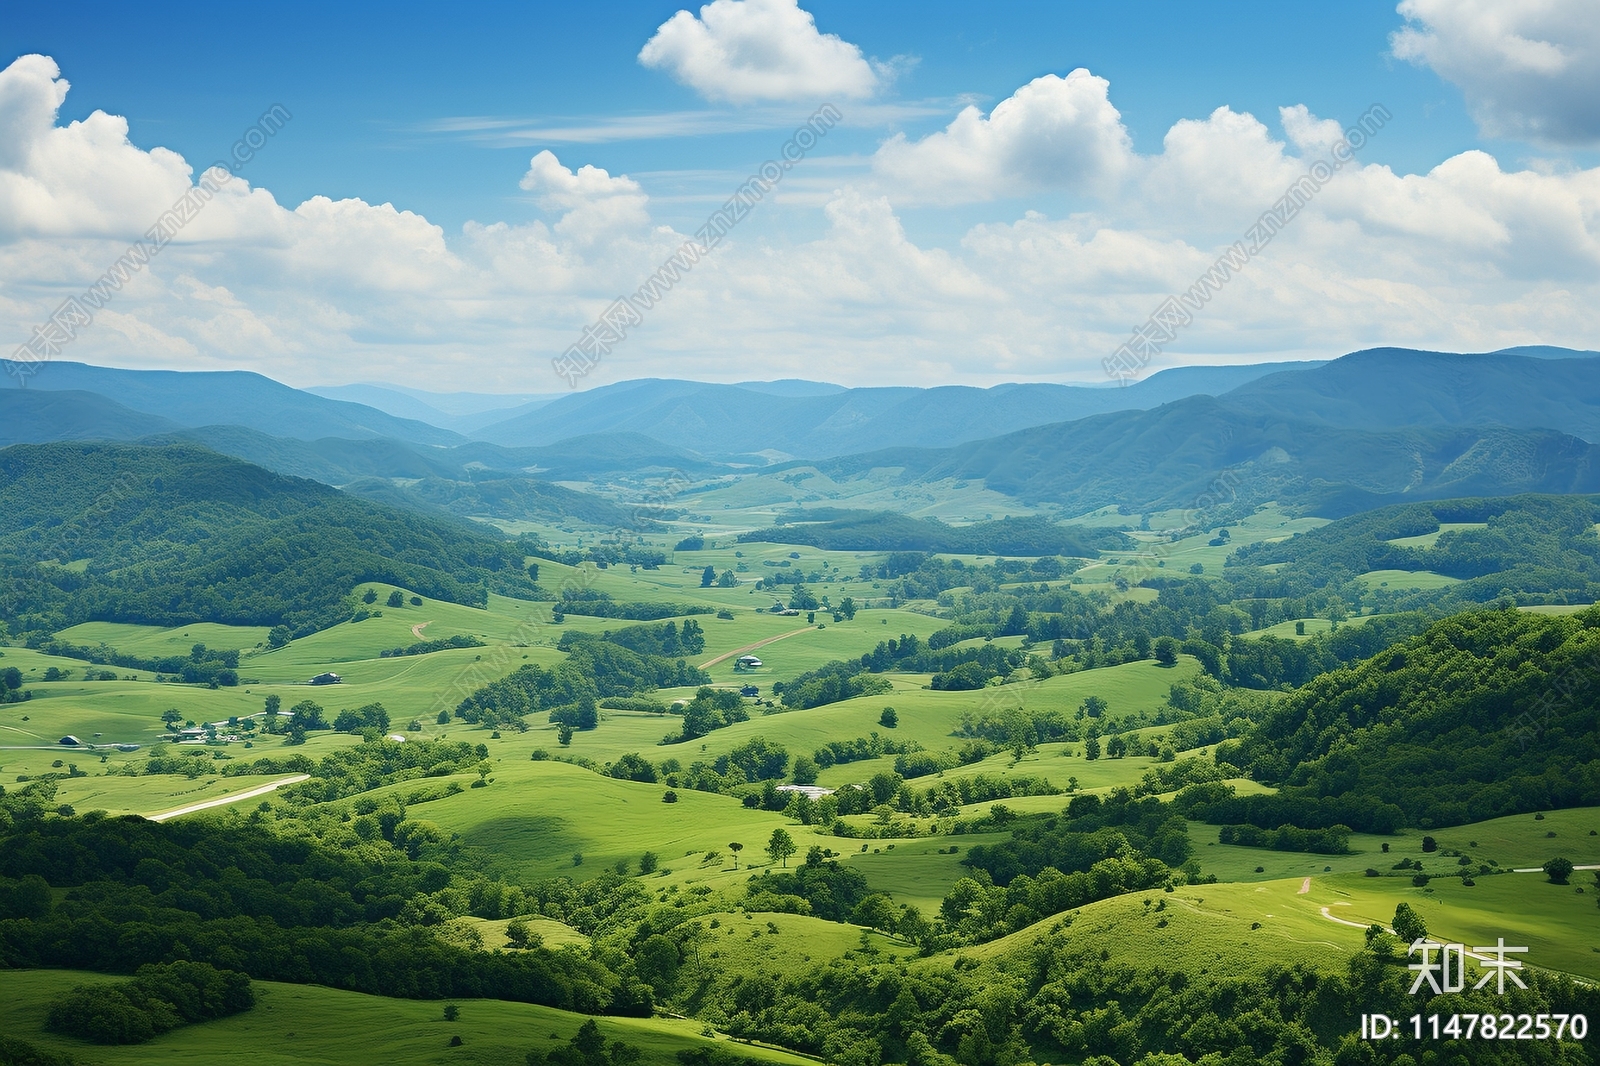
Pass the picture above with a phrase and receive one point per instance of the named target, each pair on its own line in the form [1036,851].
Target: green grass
[745,943]
[534,816]
[1207,931]
[914,871]
[1406,579]
[304,1025]
[1555,922]
[153,642]
[1427,540]
[151,794]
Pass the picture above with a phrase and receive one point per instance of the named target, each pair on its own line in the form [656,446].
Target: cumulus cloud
[743,51]
[1053,132]
[594,202]
[1530,69]
[1471,255]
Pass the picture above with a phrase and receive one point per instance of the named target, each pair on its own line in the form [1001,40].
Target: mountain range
[1374,426]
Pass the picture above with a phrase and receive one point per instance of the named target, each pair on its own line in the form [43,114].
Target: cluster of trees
[603,555]
[595,667]
[424,647]
[711,708]
[346,912]
[178,532]
[161,997]
[1332,841]
[11,690]
[596,604]
[1541,547]
[350,771]
[666,641]
[898,533]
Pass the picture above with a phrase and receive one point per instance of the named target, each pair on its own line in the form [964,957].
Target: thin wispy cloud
[500,131]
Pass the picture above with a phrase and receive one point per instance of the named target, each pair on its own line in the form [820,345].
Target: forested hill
[168,535]
[1486,713]
[1542,548]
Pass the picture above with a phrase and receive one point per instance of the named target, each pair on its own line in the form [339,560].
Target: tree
[1166,650]
[1091,748]
[847,607]
[802,599]
[369,596]
[443,719]
[396,599]
[736,848]
[780,846]
[1116,748]
[1094,706]
[1408,924]
[727,580]
[708,577]
[1558,870]
[272,705]
[172,716]
[805,770]
[888,719]
[278,637]
[1429,844]
[519,933]
[564,735]
[648,862]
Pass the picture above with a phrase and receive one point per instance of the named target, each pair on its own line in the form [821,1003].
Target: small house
[750,692]
[70,741]
[327,679]
[747,662]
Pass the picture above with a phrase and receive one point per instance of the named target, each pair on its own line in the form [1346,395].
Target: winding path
[222,801]
[752,647]
[417,629]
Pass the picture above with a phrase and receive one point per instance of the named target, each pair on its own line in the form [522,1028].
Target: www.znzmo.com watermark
[77,313]
[627,312]
[1176,312]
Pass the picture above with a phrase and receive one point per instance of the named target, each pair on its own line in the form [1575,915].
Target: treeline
[176,533]
[954,668]
[160,998]
[594,668]
[890,531]
[1540,548]
[594,604]
[666,641]
[1332,841]
[201,666]
[425,647]
[1486,713]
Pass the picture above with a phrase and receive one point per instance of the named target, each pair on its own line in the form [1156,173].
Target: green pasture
[915,871]
[763,943]
[1406,579]
[1314,627]
[1427,540]
[306,1025]
[152,642]
[1216,930]
[1555,922]
[535,816]
[153,793]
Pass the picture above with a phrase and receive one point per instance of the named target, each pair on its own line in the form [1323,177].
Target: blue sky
[438,112]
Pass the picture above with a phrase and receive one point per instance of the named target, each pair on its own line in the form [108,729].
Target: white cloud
[594,202]
[742,51]
[1530,69]
[1053,132]
[1468,256]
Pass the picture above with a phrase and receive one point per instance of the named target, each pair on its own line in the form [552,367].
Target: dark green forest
[167,535]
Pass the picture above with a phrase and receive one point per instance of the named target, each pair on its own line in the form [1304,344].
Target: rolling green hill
[179,534]
[1484,714]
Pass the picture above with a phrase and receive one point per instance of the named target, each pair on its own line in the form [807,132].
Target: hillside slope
[174,534]
[1391,388]
[1485,714]
[205,398]
[1176,454]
